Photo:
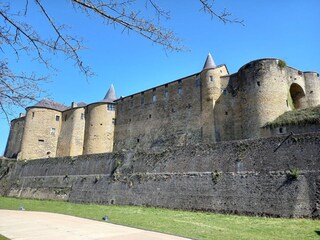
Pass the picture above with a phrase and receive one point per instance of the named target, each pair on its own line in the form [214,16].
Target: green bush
[281,64]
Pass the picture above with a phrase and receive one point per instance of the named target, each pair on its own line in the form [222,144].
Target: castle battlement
[206,107]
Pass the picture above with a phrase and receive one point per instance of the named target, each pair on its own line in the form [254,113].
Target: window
[154,96]
[57,118]
[53,131]
[179,87]
[198,83]
[32,114]
[225,92]
[65,117]
[111,107]
[113,121]
[211,79]
[82,116]
[258,83]
[142,99]
[131,102]
[40,140]
[166,93]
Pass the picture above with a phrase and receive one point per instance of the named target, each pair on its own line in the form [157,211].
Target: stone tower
[212,87]
[100,122]
[71,136]
[41,131]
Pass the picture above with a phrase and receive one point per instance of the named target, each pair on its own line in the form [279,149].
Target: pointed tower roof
[111,95]
[209,63]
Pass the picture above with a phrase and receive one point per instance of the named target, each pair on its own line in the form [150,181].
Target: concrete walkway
[25,225]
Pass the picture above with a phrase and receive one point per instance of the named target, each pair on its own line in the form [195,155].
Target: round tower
[312,85]
[99,127]
[210,92]
[41,131]
[262,94]
[71,136]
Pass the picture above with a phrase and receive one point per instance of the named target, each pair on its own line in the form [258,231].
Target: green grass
[3,237]
[197,225]
[297,117]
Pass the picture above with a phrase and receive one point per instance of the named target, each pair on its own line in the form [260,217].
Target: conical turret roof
[209,63]
[111,95]
[47,103]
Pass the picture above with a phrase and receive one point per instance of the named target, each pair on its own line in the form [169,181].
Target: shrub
[281,64]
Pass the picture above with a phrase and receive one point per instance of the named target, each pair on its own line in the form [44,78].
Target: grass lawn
[197,225]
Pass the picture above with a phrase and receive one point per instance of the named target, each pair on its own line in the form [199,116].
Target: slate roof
[47,103]
[81,104]
[110,96]
[209,63]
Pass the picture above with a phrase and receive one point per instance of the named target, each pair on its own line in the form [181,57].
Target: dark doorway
[297,95]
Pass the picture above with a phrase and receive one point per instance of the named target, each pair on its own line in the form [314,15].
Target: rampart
[243,177]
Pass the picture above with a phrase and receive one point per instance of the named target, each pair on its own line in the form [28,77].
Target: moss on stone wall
[297,117]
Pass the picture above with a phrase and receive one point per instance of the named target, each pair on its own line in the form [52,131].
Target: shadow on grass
[317,232]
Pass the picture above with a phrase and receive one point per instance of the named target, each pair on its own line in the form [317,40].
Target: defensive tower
[41,131]
[212,87]
[99,126]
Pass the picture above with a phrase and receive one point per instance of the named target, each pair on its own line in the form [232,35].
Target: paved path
[25,225]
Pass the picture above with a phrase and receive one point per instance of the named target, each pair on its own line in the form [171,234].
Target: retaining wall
[244,177]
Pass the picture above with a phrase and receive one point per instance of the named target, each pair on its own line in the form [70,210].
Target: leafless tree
[18,89]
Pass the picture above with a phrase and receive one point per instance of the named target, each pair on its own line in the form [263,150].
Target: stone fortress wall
[194,143]
[15,137]
[206,107]
[213,106]
[260,92]
[242,177]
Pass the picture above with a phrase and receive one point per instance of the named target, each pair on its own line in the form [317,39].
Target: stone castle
[207,107]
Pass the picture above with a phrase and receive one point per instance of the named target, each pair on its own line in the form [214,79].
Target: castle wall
[163,116]
[244,177]
[99,128]
[15,138]
[258,93]
[208,107]
[312,83]
[41,132]
[71,136]
[287,129]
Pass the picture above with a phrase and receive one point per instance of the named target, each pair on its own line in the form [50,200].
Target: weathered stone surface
[243,177]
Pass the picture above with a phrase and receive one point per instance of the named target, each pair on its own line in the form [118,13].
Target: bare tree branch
[224,16]
[69,49]
[19,89]
[132,22]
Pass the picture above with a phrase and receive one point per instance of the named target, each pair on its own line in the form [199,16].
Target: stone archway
[297,95]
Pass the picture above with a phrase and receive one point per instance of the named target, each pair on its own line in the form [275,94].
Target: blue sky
[286,29]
